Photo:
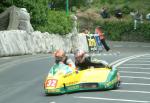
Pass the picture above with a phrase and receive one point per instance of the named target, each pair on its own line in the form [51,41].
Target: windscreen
[60,67]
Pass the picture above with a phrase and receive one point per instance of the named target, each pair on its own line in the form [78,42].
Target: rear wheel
[117,85]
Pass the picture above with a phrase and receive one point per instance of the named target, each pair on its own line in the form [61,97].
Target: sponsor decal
[51,83]
[91,43]
[111,82]
[73,87]
[70,83]
[67,75]
[53,90]
[94,42]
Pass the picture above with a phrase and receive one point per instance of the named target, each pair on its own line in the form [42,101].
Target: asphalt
[22,77]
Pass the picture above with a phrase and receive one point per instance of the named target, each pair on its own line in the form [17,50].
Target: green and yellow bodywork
[60,82]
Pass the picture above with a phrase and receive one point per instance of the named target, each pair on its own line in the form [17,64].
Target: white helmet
[79,53]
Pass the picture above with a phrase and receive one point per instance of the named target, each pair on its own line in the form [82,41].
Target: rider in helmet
[84,61]
[60,56]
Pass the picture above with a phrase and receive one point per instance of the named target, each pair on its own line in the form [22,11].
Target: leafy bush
[126,9]
[61,4]
[42,18]
[58,23]
[123,30]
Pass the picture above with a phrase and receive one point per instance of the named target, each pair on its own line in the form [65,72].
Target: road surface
[21,77]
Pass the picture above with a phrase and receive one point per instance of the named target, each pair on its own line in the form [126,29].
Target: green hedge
[123,30]
[58,23]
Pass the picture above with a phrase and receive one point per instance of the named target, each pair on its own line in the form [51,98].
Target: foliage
[61,4]
[114,28]
[36,8]
[58,23]
[42,18]
[126,9]
[123,30]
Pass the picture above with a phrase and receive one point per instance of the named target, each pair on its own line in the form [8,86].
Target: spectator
[51,5]
[104,13]
[148,16]
[118,13]
[138,17]
[98,31]
[85,32]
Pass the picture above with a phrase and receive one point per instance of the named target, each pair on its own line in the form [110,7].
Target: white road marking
[133,68]
[128,91]
[52,102]
[144,58]
[111,99]
[132,46]
[5,57]
[136,64]
[118,46]
[146,46]
[143,84]
[139,61]
[134,77]
[131,72]
[105,54]
[123,60]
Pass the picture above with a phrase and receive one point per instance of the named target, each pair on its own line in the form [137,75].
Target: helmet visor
[58,59]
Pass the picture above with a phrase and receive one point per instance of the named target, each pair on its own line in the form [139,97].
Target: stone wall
[19,42]
[14,18]
[18,37]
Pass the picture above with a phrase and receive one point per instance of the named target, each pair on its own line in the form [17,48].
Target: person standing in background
[85,32]
[104,13]
[98,31]
[138,18]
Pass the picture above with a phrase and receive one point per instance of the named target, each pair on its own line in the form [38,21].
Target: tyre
[117,85]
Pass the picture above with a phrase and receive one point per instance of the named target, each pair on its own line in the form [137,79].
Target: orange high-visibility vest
[100,33]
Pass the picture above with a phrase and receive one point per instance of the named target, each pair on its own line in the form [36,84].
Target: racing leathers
[66,61]
[87,62]
[69,62]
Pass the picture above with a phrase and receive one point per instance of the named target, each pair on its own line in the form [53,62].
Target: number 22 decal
[51,83]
